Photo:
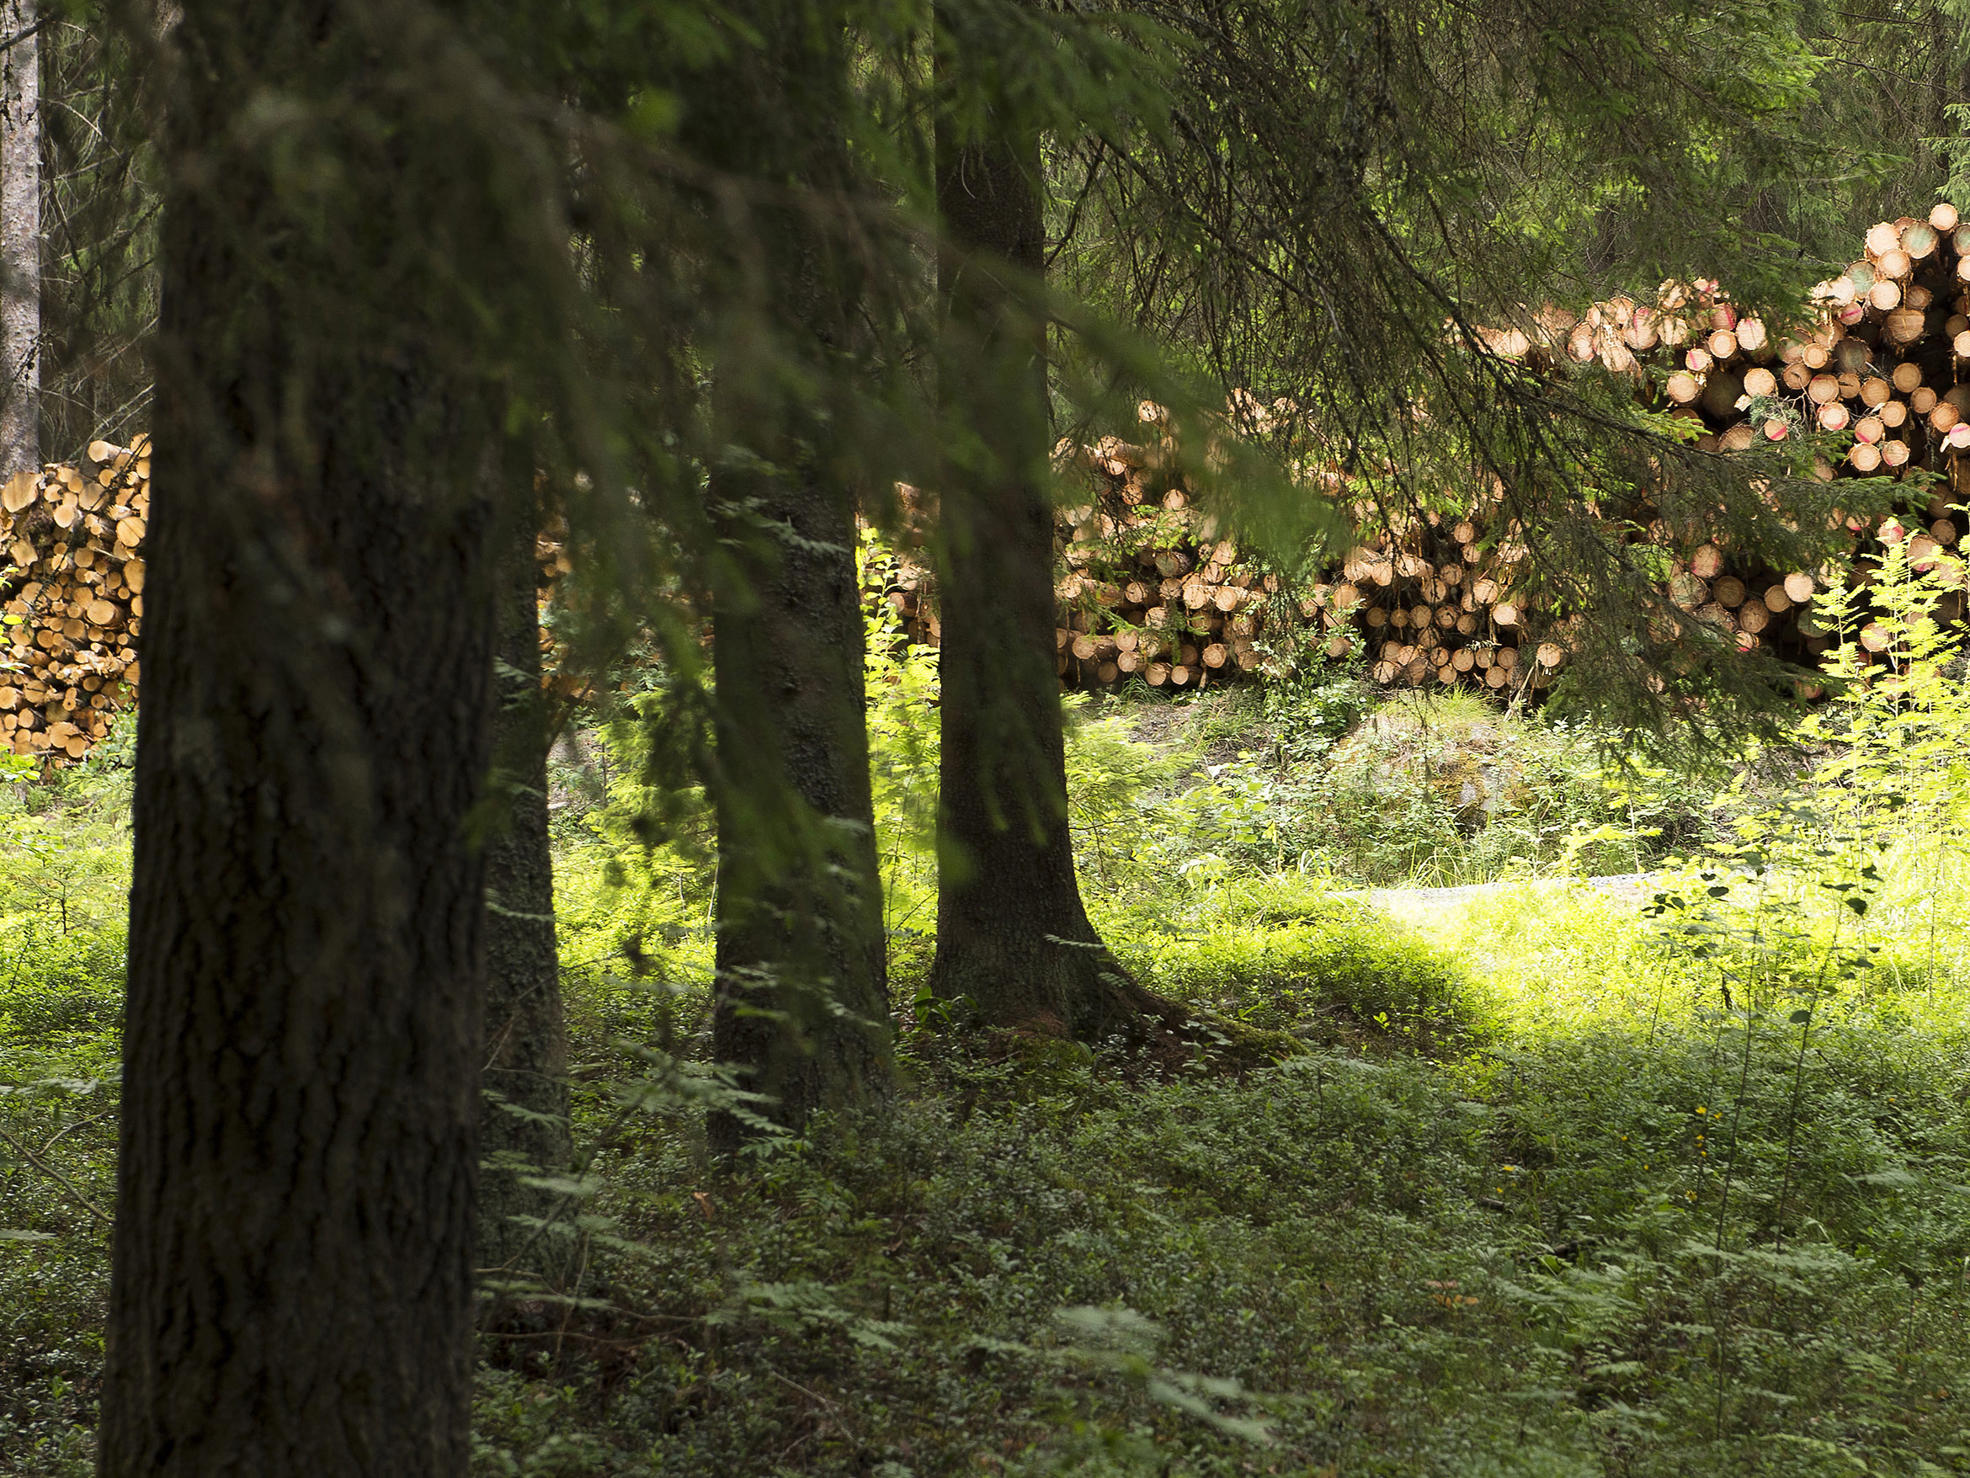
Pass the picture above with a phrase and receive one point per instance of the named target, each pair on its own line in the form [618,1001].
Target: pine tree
[1013,935]
[292,1271]
[802,1005]
[20,238]
[525,1134]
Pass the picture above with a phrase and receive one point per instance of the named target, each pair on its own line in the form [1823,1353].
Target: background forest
[556,975]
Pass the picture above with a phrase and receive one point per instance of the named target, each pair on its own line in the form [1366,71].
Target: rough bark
[292,1277]
[20,239]
[524,1130]
[1013,935]
[802,1002]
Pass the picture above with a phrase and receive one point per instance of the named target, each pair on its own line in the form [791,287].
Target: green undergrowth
[1175,806]
[1284,953]
[1555,1182]
[64,877]
[1323,777]
[1630,1230]
[1558,1183]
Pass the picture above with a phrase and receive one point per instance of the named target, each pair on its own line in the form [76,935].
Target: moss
[1325,971]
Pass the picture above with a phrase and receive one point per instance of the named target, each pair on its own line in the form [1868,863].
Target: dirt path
[1630,887]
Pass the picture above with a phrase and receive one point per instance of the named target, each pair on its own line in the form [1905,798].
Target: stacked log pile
[72,599]
[1148,589]
[563,680]
[1879,373]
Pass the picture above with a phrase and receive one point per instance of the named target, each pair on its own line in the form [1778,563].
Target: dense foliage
[1543,1172]
[1549,1180]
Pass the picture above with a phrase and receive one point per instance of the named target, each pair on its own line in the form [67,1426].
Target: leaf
[14,1234]
[1618,1368]
[563,1185]
[1896,1176]
[52,1088]
[1171,1393]
[1800,1017]
[1114,1328]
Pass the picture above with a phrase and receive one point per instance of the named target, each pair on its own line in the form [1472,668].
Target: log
[1903,326]
[1720,393]
[1879,360]
[1688,590]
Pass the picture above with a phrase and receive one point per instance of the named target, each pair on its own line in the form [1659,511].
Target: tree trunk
[802,1002]
[1013,936]
[292,1274]
[524,1130]
[20,239]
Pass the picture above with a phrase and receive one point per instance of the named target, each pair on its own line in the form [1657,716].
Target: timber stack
[1150,589]
[72,599]
[1879,373]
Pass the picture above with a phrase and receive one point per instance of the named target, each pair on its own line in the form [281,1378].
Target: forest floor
[1561,1180]
[1428,902]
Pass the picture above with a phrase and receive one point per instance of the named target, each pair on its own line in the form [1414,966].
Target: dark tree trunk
[802,1002]
[292,1275]
[20,239]
[1013,935]
[525,1129]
